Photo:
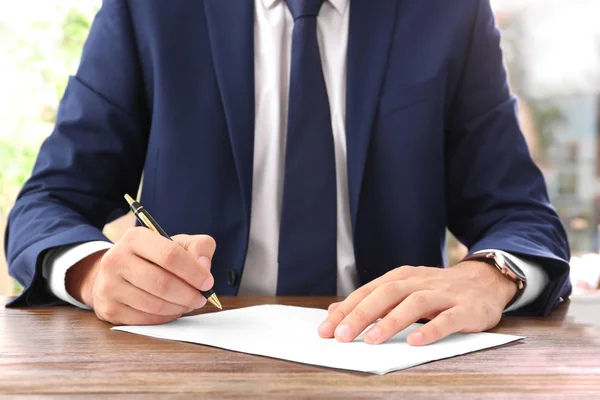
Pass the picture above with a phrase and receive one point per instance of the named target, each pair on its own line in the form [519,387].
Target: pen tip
[129,199]
[214,300]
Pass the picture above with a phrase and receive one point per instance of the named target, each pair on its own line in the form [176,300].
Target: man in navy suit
[321,147]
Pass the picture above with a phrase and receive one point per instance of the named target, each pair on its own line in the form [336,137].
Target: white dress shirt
[273,24]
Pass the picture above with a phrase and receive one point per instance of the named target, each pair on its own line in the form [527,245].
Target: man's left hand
[469,297]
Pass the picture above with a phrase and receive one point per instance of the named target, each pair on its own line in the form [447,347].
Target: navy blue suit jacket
[167,87]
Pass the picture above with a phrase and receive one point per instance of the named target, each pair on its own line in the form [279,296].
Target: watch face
[512,266]
[518,272]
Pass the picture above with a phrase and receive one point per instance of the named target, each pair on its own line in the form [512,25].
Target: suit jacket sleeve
[496,196]
[92,158]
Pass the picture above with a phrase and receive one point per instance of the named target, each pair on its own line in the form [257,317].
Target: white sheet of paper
[290,333]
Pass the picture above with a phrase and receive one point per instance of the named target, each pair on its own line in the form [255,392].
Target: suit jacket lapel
[231,34]
[371,28]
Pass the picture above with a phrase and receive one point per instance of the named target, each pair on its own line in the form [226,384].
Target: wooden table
[65,352]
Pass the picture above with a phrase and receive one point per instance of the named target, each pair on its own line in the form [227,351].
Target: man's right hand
[145,279]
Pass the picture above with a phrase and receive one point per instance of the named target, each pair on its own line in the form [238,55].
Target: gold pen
[146,219]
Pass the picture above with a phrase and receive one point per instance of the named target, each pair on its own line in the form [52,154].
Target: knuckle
[201,245]
[400,272]
[359,314]
[363,292]
[210,243]
[111,258]
[486,309]
[100,315]
[450,289]
[446,285]
[432,282]
[192,299]
[169,254]
[435,330]
[158,307]
[393,322]
[389,288]
[162,284]
[450,318]
[419,299]
[111,312]
[183,240]
[404,272]
[420,269]
[340,313]
[102,288]
[131,235]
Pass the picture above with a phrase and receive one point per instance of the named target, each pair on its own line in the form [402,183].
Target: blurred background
[552,50]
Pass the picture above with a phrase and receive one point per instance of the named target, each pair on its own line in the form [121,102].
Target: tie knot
[304,8]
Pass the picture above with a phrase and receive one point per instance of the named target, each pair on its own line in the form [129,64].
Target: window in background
[553,55]
[40,44]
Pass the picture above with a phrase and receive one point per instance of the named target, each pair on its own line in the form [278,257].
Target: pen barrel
[154,223]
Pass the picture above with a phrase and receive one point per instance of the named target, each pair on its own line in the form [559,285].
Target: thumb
[202,247]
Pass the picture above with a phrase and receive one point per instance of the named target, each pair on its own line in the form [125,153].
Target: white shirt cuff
[537,280]
[58,261]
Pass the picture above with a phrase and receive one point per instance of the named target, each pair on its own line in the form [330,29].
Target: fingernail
[416,337]
[201,303]
[205,262]
[208,283]
[374,334]
[343,332]
[326,329]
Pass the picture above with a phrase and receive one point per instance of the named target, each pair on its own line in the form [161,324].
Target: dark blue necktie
[307,239]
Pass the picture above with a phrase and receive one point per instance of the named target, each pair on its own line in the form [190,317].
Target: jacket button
[231,277]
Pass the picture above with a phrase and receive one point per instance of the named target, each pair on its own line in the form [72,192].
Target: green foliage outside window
[40,51]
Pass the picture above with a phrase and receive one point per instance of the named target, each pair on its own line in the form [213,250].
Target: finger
[335,305]
[327,328]
[160,283]
[121,314]
[168,255]
[341,310]
[446,323]
[374,306]
[202,247]
[138,299]
[414,307]
[332,307]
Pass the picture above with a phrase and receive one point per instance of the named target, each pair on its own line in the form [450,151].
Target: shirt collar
[339,5]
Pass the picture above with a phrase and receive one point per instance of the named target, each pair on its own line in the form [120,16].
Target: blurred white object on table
[585,273]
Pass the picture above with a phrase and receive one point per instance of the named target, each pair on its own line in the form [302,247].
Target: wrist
[492,279]
[79,279]
[507,289]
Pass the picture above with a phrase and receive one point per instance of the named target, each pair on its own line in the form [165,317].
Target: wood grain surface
[64,352]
